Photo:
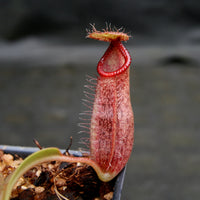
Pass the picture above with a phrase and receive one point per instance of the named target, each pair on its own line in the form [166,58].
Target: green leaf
[38,157]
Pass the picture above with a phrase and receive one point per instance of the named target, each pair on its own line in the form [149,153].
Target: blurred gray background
[44,57]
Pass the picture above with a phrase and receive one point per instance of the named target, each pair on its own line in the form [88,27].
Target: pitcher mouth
[115,60]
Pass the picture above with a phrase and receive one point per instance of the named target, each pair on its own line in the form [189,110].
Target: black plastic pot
[25,151]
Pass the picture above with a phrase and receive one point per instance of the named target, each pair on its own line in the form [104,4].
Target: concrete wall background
[164,18]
